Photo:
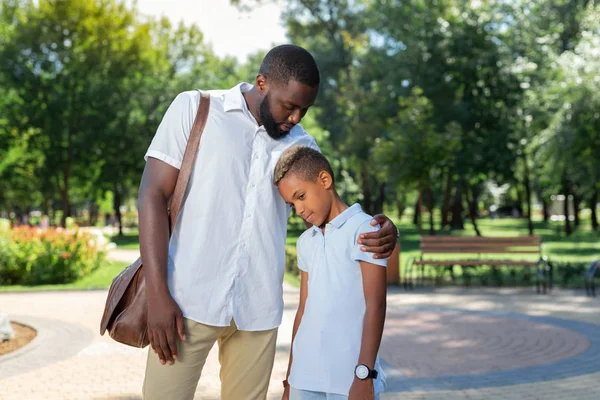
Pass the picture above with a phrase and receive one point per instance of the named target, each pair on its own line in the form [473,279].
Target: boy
[340,318]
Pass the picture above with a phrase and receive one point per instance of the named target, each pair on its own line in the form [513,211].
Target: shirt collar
[233,98]
[341,219]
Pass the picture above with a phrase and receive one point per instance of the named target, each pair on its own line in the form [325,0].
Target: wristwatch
[363,372]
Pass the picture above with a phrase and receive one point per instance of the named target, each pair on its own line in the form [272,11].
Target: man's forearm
[154,241]
[372,332]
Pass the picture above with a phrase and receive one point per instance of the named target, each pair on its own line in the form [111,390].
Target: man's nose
[295,116]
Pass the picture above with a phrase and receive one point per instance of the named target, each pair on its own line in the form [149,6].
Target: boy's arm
[299,314]
[374,287]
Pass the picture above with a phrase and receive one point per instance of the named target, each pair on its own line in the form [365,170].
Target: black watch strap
[373,374]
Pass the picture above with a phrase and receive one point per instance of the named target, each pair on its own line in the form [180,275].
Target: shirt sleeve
[357,254]
[313,144]
[300,255]
[171,137]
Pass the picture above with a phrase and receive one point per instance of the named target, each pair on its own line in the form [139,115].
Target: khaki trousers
[246,360]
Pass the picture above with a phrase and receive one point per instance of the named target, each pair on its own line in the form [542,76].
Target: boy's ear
[325,180]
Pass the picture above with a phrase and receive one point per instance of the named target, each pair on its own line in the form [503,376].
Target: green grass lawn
[129,240]
[99,279]
[581,246]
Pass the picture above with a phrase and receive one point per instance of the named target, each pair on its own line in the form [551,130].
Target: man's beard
[273,128]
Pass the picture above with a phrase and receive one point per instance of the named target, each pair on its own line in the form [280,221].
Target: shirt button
[256,156]
[252,185]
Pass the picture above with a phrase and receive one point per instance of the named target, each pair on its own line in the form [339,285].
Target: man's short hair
[289,62]
[303,161]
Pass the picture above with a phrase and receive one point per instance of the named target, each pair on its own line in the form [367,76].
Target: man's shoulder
[193,95]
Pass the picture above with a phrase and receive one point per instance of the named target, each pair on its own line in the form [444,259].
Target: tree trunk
[593,202]
[568,230]
[528,196]
[401,207]
[472,204]
[576,207]
[446,200]
[417,211]
[117,208]
[367,201]
[430,206]
[93,216]
[457,209]
[378,206]
[420,214]
[64,194]
[545,209]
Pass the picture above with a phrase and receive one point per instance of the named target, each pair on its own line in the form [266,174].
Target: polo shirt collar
[341,219]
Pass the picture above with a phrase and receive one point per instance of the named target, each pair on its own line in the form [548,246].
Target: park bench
[448,251]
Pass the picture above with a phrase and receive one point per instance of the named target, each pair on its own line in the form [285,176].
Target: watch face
[362,372]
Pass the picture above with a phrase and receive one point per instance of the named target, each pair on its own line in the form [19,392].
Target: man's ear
[325,180]
[261,84]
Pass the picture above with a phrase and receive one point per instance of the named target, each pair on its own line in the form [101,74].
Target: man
[219,277]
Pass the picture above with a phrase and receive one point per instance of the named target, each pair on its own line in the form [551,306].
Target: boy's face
[311,200]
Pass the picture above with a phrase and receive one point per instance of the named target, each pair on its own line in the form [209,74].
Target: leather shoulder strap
[189,157]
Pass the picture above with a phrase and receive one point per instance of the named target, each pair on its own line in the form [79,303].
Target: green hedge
[291,261]
[30,256]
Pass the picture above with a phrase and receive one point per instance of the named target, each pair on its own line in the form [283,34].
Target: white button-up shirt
[227,251]
[328,341]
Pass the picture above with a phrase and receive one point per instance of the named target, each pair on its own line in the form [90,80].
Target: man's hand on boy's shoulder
[382,241]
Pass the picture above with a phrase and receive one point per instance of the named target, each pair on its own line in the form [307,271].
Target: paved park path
[443,344]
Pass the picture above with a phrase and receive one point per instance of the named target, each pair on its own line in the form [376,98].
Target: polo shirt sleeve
[171,137]
[313,145]
[357,254]
[301,254]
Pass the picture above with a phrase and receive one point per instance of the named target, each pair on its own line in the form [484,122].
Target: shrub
[291,261]
[31,256]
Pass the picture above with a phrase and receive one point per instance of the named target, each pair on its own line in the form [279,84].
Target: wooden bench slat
[476,250]
[473,262]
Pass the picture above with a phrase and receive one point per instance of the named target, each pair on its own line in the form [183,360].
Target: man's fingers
[164,348]
[372,240]
[172,342]
[180,327]
[383,251]
[151,339]
[157,348]
[379,219]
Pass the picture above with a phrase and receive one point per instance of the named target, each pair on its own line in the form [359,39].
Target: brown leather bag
[126,310]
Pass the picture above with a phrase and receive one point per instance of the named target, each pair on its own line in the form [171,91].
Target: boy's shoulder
[359,223]
[304,239]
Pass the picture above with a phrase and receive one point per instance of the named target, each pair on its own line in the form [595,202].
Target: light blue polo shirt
[327,344]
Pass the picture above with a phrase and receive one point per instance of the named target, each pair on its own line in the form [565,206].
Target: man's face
[284,106]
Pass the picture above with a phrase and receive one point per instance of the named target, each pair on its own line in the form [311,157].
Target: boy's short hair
[304,161]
